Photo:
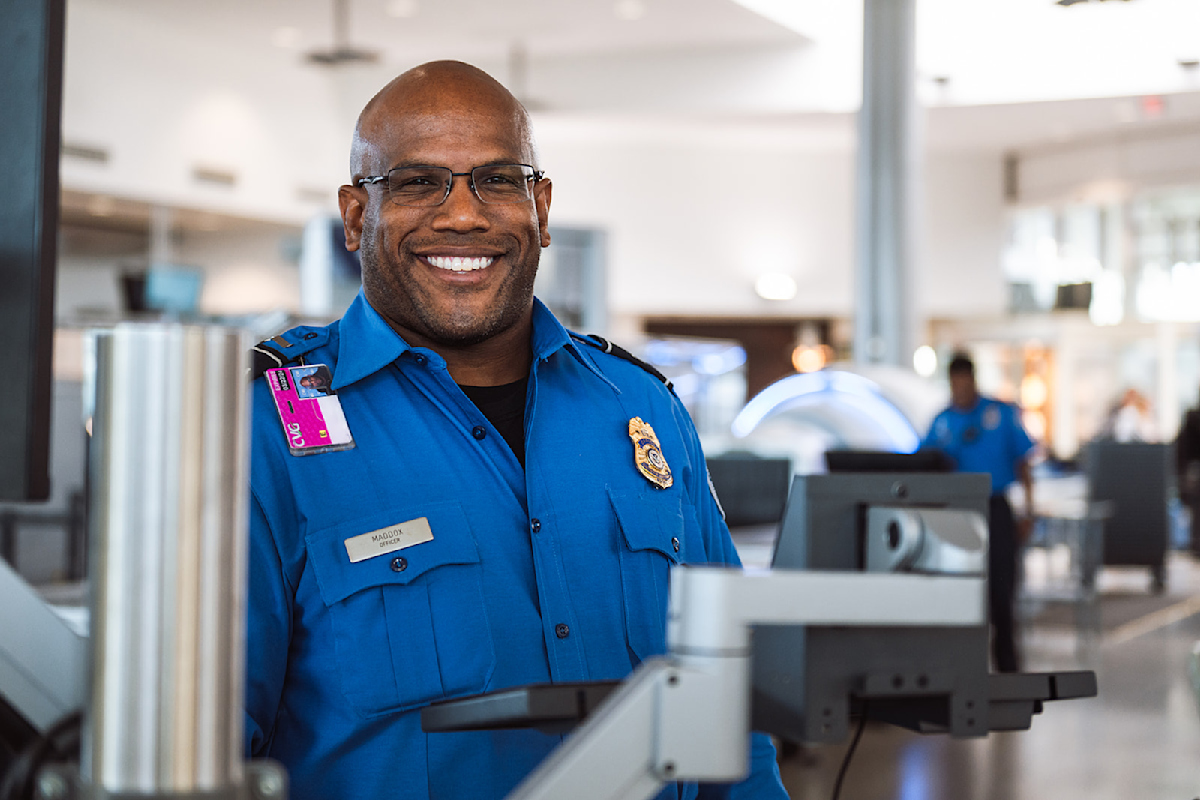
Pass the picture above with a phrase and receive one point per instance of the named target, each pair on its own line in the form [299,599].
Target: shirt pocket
[652,528]
[409,626]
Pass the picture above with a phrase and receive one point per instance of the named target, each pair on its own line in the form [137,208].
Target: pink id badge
[311,413]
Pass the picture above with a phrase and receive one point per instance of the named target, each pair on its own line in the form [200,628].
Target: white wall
[692,223]
[162,105]
[964,227]
[1111,166]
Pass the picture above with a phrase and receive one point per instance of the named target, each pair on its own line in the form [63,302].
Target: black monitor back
[753,489]
[808,680]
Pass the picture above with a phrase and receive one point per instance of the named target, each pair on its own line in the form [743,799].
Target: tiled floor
[1139,740]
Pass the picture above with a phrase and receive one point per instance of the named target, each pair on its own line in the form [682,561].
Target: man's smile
[459,263]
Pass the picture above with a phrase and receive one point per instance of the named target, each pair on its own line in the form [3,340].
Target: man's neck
[502,359]
[969,404]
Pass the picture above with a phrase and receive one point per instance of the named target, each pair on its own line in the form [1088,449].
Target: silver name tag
[389,539]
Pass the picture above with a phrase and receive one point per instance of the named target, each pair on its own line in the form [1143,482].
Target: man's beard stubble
[403,309]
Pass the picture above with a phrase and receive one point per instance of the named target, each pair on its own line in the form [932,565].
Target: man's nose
[462,209]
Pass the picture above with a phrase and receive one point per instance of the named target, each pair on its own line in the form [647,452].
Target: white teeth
[458,264]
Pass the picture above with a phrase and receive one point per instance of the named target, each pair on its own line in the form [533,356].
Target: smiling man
[486,501]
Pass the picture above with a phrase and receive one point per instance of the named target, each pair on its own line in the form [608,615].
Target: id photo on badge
[312,382]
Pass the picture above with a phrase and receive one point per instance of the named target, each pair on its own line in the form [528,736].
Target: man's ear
[541,200]
[351,201]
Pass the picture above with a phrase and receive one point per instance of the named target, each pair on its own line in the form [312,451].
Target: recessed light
[775,286]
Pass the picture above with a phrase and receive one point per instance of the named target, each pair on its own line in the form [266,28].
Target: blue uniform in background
[555,572]
[989,438]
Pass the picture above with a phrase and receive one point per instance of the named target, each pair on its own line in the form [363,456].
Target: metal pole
[887,173]
[169,516]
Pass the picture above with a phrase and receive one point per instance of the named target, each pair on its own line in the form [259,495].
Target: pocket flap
[650,520]
[338,578]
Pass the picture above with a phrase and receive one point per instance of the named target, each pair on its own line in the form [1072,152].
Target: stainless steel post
[168,523]
[888,198]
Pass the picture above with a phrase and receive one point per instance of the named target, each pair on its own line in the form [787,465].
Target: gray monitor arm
[686,716]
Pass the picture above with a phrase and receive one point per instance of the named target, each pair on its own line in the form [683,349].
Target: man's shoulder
[618,363]
[948,415]
[289,348]
[1009,410]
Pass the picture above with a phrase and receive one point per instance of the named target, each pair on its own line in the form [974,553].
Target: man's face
[409,254]
[962,389]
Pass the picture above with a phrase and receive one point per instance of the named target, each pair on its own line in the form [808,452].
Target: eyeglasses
[496,184]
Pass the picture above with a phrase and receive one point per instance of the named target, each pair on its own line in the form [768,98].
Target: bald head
[456,274]
[436,89]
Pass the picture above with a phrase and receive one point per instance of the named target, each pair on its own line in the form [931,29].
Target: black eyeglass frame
[535,176]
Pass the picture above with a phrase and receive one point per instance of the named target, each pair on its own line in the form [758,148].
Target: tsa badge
[647,454]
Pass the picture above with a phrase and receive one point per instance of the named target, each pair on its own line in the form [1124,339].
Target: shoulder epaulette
[600,343]
[279,351]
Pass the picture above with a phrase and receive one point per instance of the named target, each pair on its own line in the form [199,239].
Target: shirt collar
[549,336]
[367,343]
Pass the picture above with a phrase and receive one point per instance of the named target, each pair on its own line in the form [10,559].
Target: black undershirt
[504,407]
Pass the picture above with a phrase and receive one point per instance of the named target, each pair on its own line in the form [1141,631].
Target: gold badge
[647,453]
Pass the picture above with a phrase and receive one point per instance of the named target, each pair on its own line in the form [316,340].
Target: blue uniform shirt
[987,438]
[557,572]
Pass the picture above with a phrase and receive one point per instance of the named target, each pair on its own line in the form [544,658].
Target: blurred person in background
[1187,465]
[1131,419]
[983,434]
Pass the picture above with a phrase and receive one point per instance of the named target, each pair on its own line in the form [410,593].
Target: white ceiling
[1014,74]
[465,29]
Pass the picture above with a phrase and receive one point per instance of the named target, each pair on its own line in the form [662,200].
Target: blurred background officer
[516,496]
[982,434]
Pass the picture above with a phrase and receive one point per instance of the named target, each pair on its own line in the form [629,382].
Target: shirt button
[420,359]
[561,630]
[535,525]
[399,564]
[479,432]
[675,543]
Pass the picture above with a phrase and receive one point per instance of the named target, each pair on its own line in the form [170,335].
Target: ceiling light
[925,361]
[403,9]
[630,10]
[806,358]
[775,286]
[342,52]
